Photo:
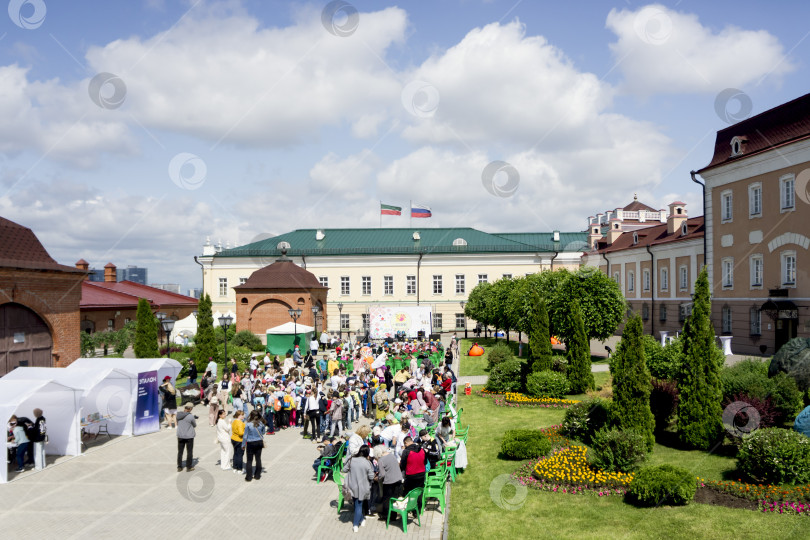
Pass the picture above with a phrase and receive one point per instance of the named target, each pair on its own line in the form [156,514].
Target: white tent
[164,366]
[60,405]
[110,392]
[290,328]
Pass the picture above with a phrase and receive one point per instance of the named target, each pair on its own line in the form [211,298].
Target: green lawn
[477,365]
[543,514]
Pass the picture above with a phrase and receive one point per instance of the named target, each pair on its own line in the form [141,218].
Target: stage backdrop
[386,321]
[147,415]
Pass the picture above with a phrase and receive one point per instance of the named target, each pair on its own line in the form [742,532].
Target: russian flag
[420,211]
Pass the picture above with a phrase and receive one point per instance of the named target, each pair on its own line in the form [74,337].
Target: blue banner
[147,414]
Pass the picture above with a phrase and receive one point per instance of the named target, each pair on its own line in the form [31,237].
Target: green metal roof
[400,241]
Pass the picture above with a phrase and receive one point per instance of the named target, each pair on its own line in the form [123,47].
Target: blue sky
[233,119]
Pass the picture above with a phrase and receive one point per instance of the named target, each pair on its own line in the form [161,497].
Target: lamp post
[340,320]
[160,317]
[168,326]
[294,313]
[225,321]
[315,311]
[465,318]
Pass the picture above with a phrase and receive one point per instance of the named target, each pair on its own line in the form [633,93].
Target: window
[645,312]
[242,280]
[507,276]
[482,278]
[458,242]
[366,284]
[755,200]
[726,320]
[460,286]
[737,146]
[684,229]
[789,268]
[662,313]
[728,273]
[756,270]
[127,320]
[645,276]
[344,285]
[461,321]
[365,320]
[388,285]
[635,238]
[684,312]
[755,316]
[223,286]
[324,281]
[631,281]
[110,324]
[437,284]
[410,284]
[684,279]
[344,321]
[787,197]
[617,277]
[437,321]
[726,207]
[665,279]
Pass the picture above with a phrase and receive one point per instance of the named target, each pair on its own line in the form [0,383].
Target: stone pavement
[128,487]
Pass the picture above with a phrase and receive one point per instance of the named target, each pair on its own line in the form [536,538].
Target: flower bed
[525,477]
[513,399]
[760,492]
[569,466]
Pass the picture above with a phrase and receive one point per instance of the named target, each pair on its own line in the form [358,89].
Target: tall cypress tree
[699,410]
[578,348]
[539,338]
[205,340]
[632,384]
[146,335]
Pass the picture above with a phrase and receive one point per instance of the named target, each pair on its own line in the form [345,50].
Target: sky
[132,131]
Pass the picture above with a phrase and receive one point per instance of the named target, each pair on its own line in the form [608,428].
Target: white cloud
[659,50]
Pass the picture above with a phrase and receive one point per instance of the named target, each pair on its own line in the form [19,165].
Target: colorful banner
[387,321]
[147,414]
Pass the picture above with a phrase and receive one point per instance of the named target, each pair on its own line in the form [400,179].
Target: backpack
[276,405]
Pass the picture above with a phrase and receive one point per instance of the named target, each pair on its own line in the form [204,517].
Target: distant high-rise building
[171,287]
[133,273]
[96,274]
[195,293]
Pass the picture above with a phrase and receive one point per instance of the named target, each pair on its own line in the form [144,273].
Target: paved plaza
[128,487]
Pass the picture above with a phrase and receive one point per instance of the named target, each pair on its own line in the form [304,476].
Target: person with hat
[169,402]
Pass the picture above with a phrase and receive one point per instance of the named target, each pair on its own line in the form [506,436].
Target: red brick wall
[55,297]
[265,309]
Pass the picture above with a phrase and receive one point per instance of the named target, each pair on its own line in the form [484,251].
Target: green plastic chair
[449,460]
[334,460]
[434,489]
[337,476]
[412,504]
[462,434]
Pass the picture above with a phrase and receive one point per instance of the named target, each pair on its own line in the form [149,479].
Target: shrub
[750,378]
[663,362]
[785,396]
[578,349]
[540,338]
[559,363]
[525,444]
[499,353]
[776,456]
[663,403]
[664,484]
[546,383]
[585,418]
[506,377]
[617,450]
[742,422]
[247,339]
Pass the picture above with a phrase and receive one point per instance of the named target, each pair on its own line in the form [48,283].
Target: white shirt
[254,364]
[313,345]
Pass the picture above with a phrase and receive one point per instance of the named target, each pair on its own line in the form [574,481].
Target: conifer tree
[205,340]
[632,384]
[578,348]
[539,338]
[146,334]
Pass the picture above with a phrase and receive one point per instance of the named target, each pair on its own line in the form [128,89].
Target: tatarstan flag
[388,210]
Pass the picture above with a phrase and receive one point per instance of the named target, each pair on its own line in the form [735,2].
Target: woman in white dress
[224,440]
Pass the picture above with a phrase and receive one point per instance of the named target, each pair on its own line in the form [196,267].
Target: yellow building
[437,267]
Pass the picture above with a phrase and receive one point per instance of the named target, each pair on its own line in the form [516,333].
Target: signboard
[386,321]
[788,314]
[147,414]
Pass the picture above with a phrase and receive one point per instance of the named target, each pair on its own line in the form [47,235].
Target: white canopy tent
[60,405]
[110,392]
[290,328]
[164,366]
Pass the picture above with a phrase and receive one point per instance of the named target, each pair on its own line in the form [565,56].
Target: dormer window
[459,242]
[737,144]
[684,229]
[635,238]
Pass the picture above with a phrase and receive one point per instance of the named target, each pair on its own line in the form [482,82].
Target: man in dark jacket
[37,439]
[192,371]
[186,422]
[431,448]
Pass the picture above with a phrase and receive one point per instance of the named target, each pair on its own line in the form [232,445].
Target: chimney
[556,236]
[600,217]
[677,217]
[110,274]
[615,231]
[84,266]
[594,235]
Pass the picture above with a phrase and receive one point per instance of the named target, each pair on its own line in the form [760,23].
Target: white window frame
[223,286]
[438,284]
[345,286]
[683,277]
[726,323]
[727,206]
[756,270]
[388,285]
[324,280]
[787,193]
[483,278]
[345,321]
[755,200]
[410,285]
[365,282]
[461,284]
[755,321]
[364,320]
[242,280]
[631,281]
[727,273]
[664,279]
[645,280]
[662,313]
[461,321]
[438,321]
[507,276]
[617,277]
[788,273]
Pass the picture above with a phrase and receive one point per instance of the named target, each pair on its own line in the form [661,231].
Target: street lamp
[160,317]
[465,318]
[168,326]
[225,321]
[294,313]
[315,311]
[340,320]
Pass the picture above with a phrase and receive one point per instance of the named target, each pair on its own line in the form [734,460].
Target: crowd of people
[26,440]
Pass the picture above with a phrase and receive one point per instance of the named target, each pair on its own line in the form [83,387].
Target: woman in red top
[412,463]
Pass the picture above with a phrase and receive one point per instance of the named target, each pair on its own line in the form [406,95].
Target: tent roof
[83,378]
[291,328]
[130,365]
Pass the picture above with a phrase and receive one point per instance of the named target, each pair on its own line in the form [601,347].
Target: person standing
[237,432]
[224,391]
[412,464]
[212,368]
[359,474]
[390,475]
[312,413]
[38,438]
[336,411]
[186,422]
[224,440]
[192,371]
[253,442]
[21,440]
[169,402]
[313,347]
